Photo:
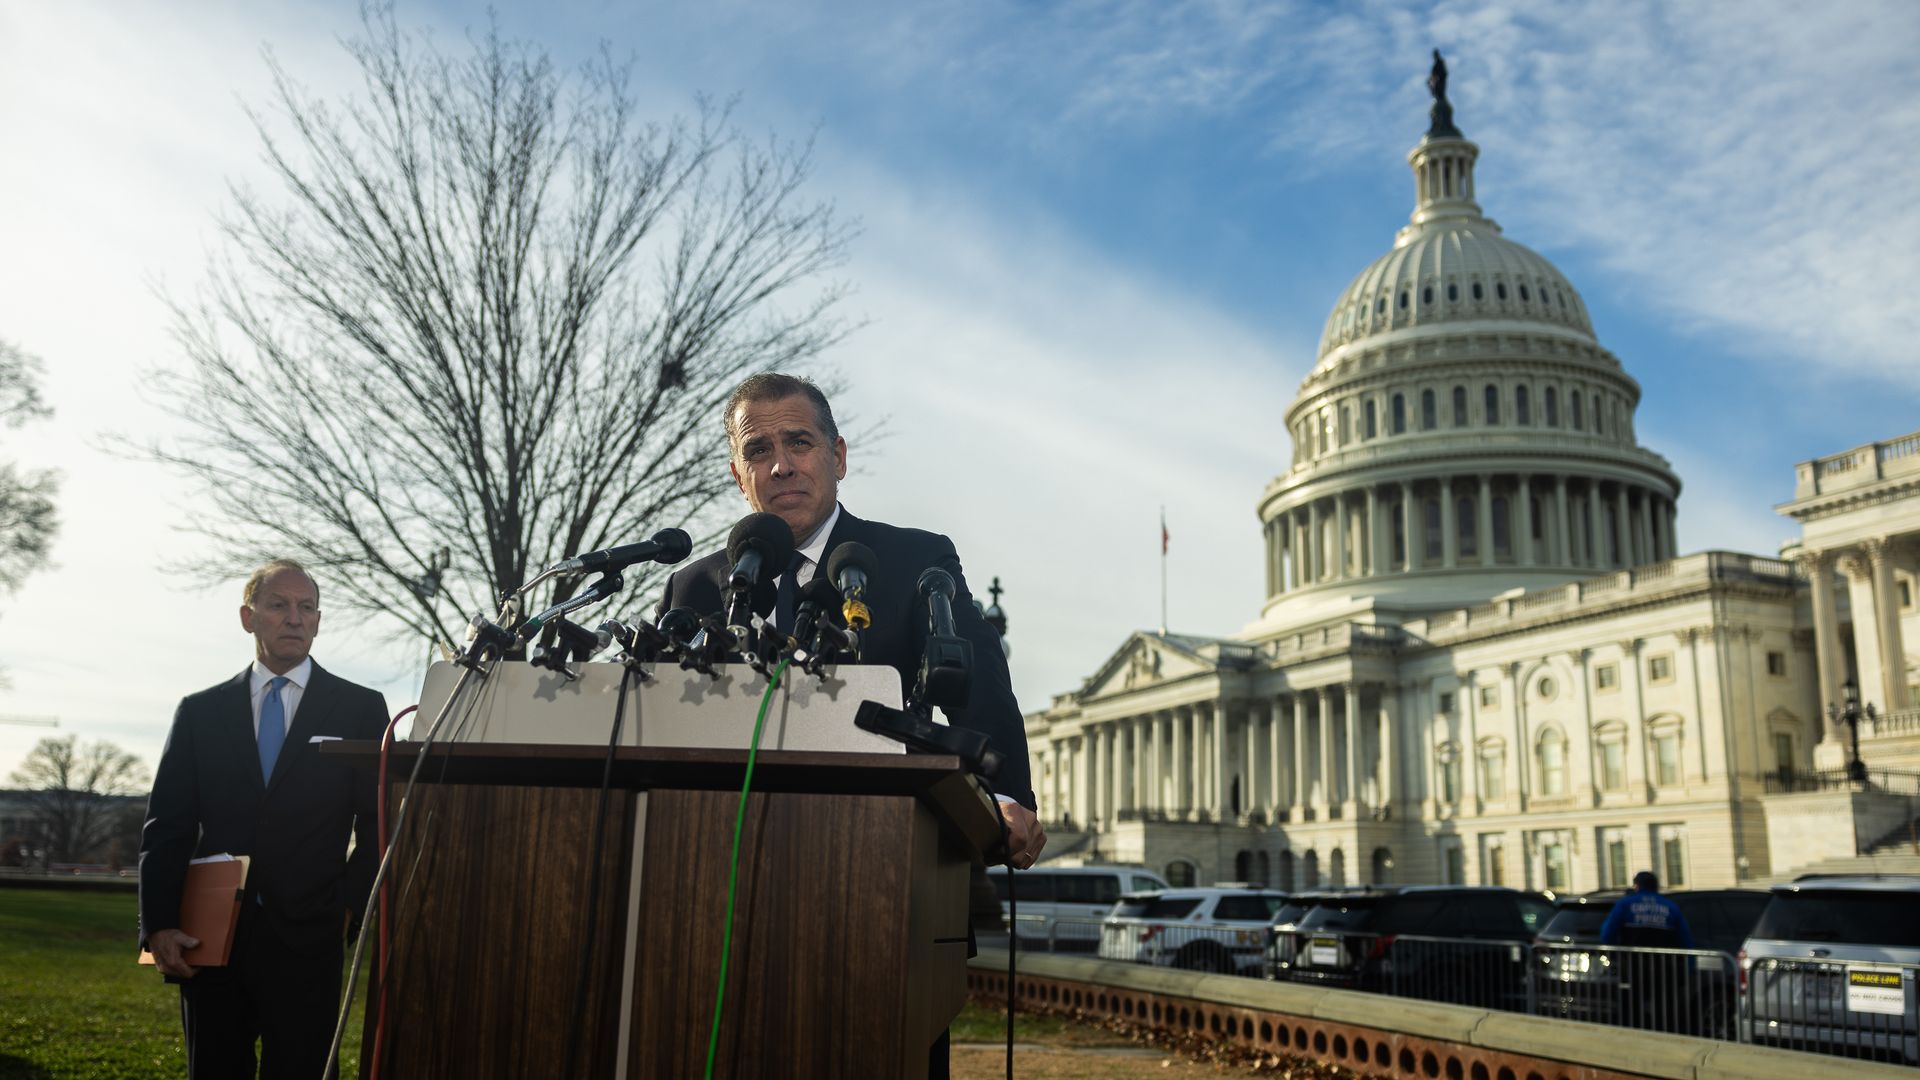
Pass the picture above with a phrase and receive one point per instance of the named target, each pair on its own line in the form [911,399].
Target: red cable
[380,942]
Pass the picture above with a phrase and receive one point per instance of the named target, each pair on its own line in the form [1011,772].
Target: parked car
[1664,991]
[1283,933]
[1832,966]
[1459,943]
[1060,908]
[1220,929]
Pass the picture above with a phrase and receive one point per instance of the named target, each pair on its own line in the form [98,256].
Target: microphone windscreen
[675,545]
[935,580]
[766,533]
[851,555]
[680,624]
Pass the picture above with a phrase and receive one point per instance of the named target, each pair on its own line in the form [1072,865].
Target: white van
[1060,908]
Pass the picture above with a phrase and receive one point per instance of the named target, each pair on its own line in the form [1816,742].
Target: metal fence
[1864,1010]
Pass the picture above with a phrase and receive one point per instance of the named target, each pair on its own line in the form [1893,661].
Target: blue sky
[1099,241]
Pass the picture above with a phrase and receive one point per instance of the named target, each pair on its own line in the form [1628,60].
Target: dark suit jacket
[208,798]
[898,635]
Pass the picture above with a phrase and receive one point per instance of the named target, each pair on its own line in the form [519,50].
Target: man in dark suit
[788,459]
[242,774]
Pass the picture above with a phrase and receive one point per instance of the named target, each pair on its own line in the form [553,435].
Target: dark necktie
[783,600]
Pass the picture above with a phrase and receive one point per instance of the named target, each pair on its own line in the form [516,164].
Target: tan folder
[210,908]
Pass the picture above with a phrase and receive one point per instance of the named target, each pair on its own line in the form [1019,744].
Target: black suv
[1694,995]
[1456,943]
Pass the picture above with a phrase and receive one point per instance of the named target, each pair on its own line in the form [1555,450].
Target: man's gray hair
[775,386]
[268,569]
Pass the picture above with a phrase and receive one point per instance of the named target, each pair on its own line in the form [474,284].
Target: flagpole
[1163,568]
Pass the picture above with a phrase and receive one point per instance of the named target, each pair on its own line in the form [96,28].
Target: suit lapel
[235,726]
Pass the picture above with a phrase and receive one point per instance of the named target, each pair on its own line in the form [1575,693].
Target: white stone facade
[1480,657]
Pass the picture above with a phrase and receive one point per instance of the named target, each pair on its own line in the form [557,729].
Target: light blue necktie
[273,727]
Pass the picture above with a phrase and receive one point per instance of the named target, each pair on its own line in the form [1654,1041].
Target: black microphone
[679,626]
[759,548]
[667,547]
[817,598]
[571,640]
[946,667]
[849,567]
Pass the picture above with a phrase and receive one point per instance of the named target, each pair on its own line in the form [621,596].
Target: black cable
[595,853]
[1013,918]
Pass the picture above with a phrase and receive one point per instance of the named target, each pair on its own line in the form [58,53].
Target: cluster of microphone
[823,623]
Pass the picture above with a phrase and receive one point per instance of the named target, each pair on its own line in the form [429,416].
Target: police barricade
[1050,934]
[1677,991]
[1858,1009]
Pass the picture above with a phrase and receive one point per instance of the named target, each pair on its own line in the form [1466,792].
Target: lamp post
[1850,712]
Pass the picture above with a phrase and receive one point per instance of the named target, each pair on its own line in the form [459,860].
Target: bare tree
[78,791]
[27,520]
[489,316]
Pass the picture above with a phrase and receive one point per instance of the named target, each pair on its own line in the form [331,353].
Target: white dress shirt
[289,694]
[815,550]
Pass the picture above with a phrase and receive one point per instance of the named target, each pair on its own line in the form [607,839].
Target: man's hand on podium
[1025,837]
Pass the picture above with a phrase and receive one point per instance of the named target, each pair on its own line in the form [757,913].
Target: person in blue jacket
[1644,917]
[1653,984]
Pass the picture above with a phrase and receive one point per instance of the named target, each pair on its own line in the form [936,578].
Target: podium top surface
[936,780]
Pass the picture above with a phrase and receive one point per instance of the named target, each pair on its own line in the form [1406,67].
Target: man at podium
[788,458]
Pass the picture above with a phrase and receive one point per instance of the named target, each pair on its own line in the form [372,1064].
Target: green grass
[73,1003]
[977,1023]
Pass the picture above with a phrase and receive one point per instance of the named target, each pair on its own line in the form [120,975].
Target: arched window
[1337,867]
[1369,425]
[1326,425]
[1310,872]
[1346,426]
[1492,766]
[1553,409]
[1500,289]
[1573,410]
[1447,762]
[1179,874]
[1522,408]
[1399,414]
[1429,417]
[1382,866]
[1502,547]
[1459,406]
[1551,753]
[1426,295]
[1493,404]
[1599,415]
[1286,871]
[1453,293]
[1463,515]
[1478,292]
[1433,535]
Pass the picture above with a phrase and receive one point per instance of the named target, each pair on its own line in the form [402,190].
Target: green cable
[733,868]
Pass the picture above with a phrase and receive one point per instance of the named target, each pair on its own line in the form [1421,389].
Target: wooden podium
[850,927]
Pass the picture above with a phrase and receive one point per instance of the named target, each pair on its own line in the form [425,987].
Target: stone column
[1342,530]
[1639,769]
[1276,731]
[1181,767]
[1377,558]
[1643,527]
[1886,606]
[1250,766]
[1407,532]
[1329,763]
[1218,709]
[1198,761]
[1673,535]
[1350,723]
[1562,525]
[1869,645]
[1142,762]
[1522,520]
[1449,531]
[1094,781]
[1828,662]
[1621,524]
[1297,774]
[1389,742]
[1591,536]
[1484,512]
[1315,555]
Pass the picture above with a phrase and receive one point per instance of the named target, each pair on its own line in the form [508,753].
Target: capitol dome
[1462,432]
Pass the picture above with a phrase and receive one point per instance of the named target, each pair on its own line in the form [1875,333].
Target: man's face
[785,465]
[284,617]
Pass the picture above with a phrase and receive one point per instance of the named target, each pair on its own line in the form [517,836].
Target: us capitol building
[1481,657]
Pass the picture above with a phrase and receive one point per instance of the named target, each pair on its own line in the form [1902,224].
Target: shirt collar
[815,549]
[298,676]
